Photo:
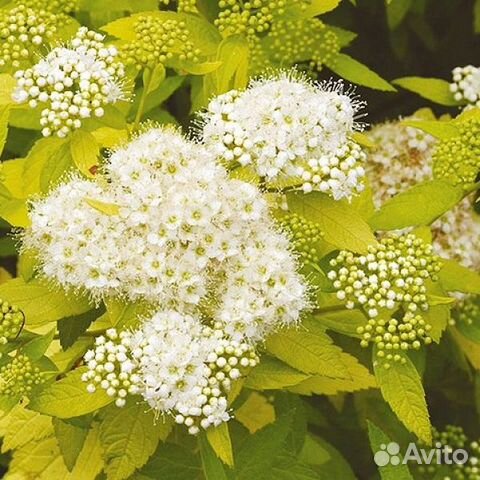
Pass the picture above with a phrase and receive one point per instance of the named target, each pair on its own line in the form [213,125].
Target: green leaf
[313,352]
[457,278]
[340,223]
[322,385]
[129,436]
[255,412]
[4,116]
[419,205]
[313,8]
[70,438]
[389,471]
[103,207]
[7,85]
[153,78]
[343,321]
[212,466]
[402,388]
[68,397]
[433,89]
[272,374]
[57,164]
[476,16]
[437,128]
[89,462]
[396,12]
[172,462]
[38,346]
[287,467]
[41,304]
[22,426]
[233,53]
[219,439]
[356,72]
[71,328]
[256,456]
[84,149]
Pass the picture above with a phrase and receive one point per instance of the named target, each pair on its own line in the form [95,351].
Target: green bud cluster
[467,310]
[451,439]
[292,41]
[186,6]
[304,234]
[54,6]
[11,321]
[457,159]
[158,41]
[23,31]
[392,336]
[247,18]
[389,279]
[19,377]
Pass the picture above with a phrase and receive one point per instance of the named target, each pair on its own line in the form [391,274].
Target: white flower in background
[288,127]
[403,158]
[74,83]
[185,237]
[466,84]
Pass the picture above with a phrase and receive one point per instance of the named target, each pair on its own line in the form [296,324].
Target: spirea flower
[467,310]
[287,127]
[457,159]
[402,158]
[158,40]
[72,83]
[390,279]
[11,321]
[466,85]
[185,236]
[180,367]
[23,32]
[19,376]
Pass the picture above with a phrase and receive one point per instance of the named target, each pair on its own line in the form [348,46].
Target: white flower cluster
[403,158]
[185,238]
[466,85]
[181,223]
[178,365]
[290,128]
[74,82]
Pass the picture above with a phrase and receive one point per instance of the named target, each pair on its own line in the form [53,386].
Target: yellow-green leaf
[419,205]
[40,303]
[340,223]
[255,412]
[457,278]
[437,128]
[85,150]
[68,397]
[129,436]
[356,72]
[433,89]
[273,374]
[103,207]
[219,439]
[402,388]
